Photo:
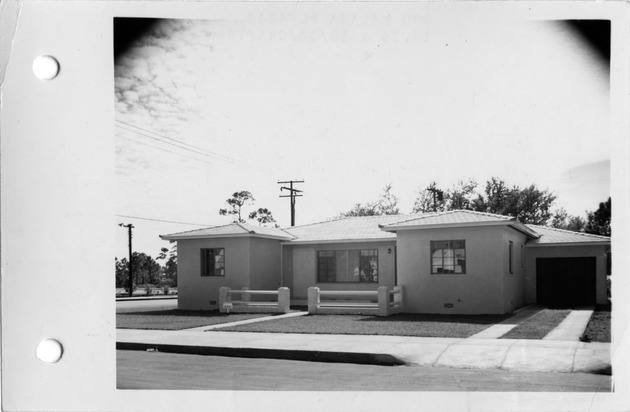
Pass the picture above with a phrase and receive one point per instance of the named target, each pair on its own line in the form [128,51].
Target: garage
[566,282]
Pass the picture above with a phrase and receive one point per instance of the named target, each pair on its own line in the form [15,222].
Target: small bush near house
[166,289]
[598,328]
[148,290]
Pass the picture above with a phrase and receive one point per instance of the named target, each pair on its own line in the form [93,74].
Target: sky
[350,103]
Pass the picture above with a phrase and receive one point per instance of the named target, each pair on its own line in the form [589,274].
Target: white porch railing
[227,303]
[380,302]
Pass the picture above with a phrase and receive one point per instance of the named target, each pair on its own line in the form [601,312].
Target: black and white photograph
[347,201]
[314,205]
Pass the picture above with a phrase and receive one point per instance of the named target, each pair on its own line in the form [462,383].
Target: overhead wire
[218,157]
[199,150]
[162,220]
[175,140]
[165,150]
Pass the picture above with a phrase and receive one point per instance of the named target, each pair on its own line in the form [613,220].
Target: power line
[176,140]
[209,154]
[165,150]
[166,221]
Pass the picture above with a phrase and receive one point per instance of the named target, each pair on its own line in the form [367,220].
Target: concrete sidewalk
[508,354]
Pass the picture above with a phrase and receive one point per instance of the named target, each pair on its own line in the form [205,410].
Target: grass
[598,328]
[444,326]
[539,325]
[177,319]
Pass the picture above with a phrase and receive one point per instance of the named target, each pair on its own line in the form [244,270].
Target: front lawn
[538,326]
[175,319]
[443,326]
[598,328]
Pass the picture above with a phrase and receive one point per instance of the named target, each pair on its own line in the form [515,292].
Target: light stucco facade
[599,252]
[301,268]
[486,287]
[249,262]
[495,272]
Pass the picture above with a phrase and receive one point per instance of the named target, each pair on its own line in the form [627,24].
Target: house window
[448,256]
[213,262]
[510,256]
[338,266]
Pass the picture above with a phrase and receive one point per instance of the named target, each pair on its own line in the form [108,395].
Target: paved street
[154,370]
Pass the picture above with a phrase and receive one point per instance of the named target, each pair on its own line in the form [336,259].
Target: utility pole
[129,227]
[293,193]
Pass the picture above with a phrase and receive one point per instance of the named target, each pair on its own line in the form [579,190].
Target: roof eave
[551,244]
[233,235]
[330,241]
[516,225]
[388,228]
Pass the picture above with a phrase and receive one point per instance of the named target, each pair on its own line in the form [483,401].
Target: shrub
[166,289]
[148,289]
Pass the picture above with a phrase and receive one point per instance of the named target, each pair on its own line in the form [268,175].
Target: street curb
[145,298]
[381,359]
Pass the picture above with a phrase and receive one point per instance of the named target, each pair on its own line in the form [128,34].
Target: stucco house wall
[303,268]
[264,264]
[287,268]
[196,292]
[513,283]
[474,292]
[538,251]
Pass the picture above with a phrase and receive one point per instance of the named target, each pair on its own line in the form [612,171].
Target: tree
[145,269]
[529,205]
[170,265]
[533,205]
[262,215]
[122,272]
[499,198]
[236,203]
[560,219]
[431,199]
[598,221]
[387,204]
[368,209]
[461,196]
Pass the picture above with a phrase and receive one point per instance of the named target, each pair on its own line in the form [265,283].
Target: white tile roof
[551,235]
[230,230]
[450,217]
[383,227]
[349,228]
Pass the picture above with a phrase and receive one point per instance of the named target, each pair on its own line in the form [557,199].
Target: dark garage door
[565,282]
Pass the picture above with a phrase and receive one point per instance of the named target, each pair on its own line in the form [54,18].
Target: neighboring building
[447,262]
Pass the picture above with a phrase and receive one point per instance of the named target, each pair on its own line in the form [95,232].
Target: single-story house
[459,262]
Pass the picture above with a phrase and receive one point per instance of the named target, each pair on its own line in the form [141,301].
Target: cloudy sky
[349,104]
